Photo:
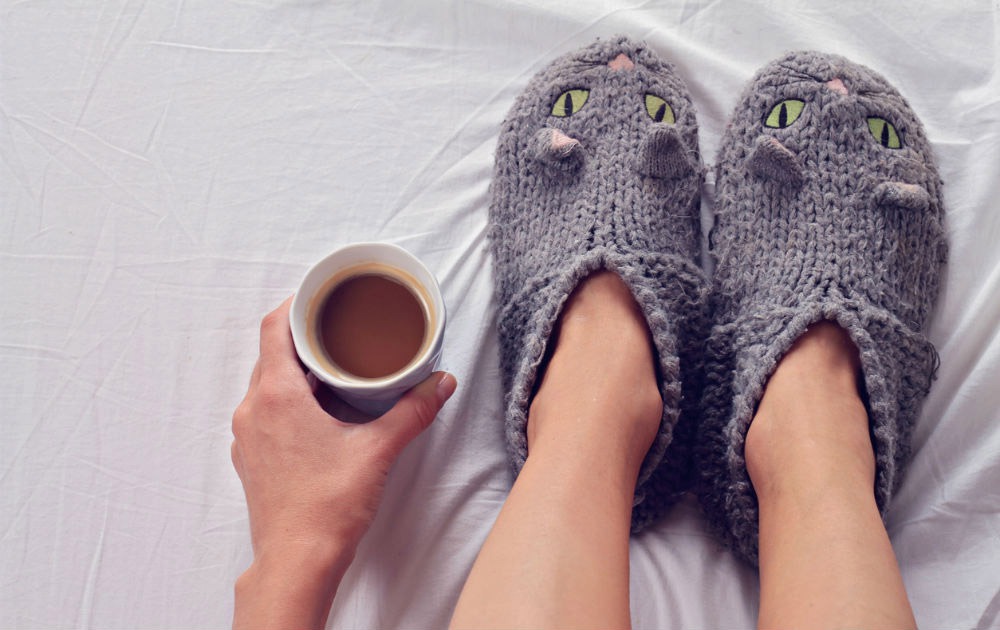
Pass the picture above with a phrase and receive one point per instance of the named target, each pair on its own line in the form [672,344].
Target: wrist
[315,557]
[291,585]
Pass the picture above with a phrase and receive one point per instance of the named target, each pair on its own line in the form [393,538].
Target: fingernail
[445,387]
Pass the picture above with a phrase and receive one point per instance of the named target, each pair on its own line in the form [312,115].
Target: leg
[558,553]
[825,557]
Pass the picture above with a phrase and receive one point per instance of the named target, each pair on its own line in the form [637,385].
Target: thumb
[415,411]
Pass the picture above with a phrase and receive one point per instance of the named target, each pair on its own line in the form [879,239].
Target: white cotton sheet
[168,171]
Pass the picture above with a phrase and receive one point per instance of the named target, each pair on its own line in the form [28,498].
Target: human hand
[312,482]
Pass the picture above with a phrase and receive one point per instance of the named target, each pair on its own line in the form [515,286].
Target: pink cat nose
[837,86]
[621,62]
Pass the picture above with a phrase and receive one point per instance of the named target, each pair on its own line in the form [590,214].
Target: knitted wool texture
[602,185]
[823,212]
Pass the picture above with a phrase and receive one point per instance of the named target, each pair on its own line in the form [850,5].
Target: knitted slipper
[828,207]
[597,166]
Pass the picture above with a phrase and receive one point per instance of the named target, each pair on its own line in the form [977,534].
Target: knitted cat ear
[771,160]
[554,148]
[909,196]
[662,154]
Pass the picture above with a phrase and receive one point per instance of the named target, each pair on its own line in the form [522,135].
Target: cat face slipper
[597,167]
[829,207]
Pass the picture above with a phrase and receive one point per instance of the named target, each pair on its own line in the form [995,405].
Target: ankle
[811,427]
[823,356]
[599,386]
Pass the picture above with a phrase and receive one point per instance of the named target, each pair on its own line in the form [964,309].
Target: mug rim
[300,310]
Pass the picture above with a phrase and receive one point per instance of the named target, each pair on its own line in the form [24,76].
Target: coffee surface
[371,326]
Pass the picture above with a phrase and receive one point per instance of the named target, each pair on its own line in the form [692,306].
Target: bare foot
[600,385]
[558,555]
[820,371]
[825,557]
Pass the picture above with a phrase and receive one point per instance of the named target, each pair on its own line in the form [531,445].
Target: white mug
[373,396]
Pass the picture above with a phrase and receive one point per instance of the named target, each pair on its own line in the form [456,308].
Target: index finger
[277,350]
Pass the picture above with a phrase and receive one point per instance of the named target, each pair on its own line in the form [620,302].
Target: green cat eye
[570,102]
[659,110]
[784,113]
[884,132]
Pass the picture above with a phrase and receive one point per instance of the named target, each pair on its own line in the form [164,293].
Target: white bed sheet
[168,170]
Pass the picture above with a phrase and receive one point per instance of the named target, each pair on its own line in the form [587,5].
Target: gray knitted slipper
[828,207]
[597,166]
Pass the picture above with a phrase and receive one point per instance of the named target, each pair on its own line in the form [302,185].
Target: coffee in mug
[368,321]
[371,323]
